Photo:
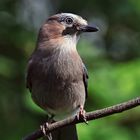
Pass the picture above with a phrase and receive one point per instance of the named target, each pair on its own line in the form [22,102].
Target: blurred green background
[111,55]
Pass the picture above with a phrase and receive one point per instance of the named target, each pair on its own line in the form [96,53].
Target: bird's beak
[87,28]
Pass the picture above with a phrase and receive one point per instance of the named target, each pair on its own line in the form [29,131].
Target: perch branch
[89,116]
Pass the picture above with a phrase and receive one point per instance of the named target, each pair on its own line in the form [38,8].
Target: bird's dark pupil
[69,20]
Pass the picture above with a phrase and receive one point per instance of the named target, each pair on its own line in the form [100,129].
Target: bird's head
[64,24]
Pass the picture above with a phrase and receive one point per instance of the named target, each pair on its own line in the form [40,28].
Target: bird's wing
[85,79]
[29,75]
[28,78]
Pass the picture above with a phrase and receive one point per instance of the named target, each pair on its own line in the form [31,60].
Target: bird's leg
[81,114]
[50,119]
[44,128]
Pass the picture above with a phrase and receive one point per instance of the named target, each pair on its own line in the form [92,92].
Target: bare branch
[90,116]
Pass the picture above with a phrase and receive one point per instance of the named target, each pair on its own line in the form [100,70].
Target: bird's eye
[69,20]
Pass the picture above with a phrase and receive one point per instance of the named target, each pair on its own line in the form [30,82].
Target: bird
[56,75]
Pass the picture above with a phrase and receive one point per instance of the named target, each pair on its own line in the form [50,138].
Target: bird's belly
[61,101]
[59,88]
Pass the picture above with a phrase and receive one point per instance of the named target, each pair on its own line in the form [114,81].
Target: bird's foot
[82,114]
[44,129]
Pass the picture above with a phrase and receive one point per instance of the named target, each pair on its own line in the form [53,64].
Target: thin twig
[89,116]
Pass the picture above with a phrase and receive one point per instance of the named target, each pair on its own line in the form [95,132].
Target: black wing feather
[85,79]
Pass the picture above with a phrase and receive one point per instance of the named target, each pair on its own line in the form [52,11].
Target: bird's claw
[44,128]
[82,115]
